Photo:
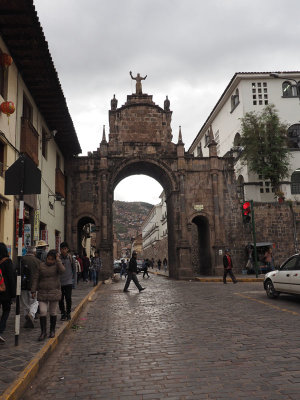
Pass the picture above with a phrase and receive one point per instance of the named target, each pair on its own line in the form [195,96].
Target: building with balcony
[155,231]
[252,92]
[40,127]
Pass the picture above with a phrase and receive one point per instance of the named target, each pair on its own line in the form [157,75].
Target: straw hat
[41,243]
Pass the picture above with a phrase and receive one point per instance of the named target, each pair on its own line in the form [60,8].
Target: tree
[264,139]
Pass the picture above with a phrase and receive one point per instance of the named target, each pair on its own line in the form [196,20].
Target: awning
[4,200]
[261,244]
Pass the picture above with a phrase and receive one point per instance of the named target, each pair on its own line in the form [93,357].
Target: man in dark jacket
[132,271]
[7,275]
[227,262]
[66,280]
[30,264]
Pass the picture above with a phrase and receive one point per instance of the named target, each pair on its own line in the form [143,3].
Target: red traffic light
[246,207]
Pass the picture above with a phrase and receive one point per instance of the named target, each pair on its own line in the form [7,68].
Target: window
[289,90]
[27,109]
[235,100]
[293,136]
[295,182]
[259,93]
[44,143]
[237,140]
[2,147]
[240,187]
[199,151]
[291,265]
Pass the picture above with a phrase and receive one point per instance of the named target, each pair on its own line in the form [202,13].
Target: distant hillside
[128,218]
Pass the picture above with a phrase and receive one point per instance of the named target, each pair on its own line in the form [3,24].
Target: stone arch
[159,171]
[81,222]
[201,239]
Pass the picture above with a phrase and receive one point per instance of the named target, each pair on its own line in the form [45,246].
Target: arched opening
[152,240]
[237,140]
[201,246]
[293,136]
[86,234]
[240,187]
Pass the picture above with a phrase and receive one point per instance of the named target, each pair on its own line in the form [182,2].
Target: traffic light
[246,211]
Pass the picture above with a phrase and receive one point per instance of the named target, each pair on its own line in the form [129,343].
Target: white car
[284,280]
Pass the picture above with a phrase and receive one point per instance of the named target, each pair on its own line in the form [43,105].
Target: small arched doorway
[201,246]
[86,236]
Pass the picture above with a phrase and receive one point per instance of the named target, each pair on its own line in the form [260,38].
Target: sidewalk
[239,277]
[18,361]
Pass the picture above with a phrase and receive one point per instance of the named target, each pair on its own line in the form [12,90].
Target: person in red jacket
[8,290]
[227,262]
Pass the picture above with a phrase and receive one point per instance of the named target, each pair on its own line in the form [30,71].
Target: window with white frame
[259,93]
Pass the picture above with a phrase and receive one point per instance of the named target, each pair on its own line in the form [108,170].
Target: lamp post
[297,83]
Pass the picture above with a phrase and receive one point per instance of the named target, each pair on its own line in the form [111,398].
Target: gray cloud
[189,49]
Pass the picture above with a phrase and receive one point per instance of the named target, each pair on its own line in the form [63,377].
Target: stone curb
[18,387]
[213,279]
[221,279]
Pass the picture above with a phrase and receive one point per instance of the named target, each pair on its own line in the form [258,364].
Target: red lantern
[6,60]
[8,108]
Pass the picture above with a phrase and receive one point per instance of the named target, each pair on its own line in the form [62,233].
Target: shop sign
[36,227]
[27,235]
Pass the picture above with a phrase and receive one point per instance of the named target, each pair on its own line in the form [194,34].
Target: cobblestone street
[177,340]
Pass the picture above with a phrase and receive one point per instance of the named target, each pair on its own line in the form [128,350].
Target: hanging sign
[36,226]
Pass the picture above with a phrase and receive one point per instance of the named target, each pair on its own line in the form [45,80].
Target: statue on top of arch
[138,85]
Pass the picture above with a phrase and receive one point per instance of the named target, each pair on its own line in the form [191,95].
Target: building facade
[248,92]
[40,127]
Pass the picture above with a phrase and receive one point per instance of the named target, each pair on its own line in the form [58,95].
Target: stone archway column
[105,245]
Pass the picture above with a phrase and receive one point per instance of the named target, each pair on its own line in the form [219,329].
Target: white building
[252,92]
[154,228]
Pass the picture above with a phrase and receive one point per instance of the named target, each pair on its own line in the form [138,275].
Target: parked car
[284,280]
[139,265]
[117,267]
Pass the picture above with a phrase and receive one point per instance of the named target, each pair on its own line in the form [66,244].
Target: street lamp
[297,83]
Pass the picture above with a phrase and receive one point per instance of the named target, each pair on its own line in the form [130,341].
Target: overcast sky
[190,49]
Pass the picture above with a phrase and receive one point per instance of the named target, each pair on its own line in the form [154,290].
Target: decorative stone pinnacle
[104,135]
[180,135]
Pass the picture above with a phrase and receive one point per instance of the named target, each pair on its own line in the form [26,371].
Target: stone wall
[158,250]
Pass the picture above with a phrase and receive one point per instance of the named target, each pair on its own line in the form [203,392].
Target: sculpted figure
[114,103]
[167,104]
[138,79]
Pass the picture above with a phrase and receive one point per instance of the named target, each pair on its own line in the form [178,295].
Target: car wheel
[270,290]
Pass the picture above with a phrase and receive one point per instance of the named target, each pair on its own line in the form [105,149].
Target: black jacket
[225,261]
[9,280]
[132,267]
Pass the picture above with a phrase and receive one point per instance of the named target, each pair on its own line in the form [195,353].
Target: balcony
[59,183]
[29,140]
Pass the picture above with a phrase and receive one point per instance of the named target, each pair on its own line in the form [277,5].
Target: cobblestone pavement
[17,357]
[178,340]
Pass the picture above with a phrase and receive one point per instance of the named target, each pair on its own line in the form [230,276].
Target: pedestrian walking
[7,287]
[123,270]
[159,264]
[165,264]
[29,267]
[96,264]
[132,273]
[227,262]
[145,268]
[46,282]
[66,280]
[41,250]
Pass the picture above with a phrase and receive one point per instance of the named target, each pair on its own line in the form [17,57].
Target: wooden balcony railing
[59,183]
[29,140]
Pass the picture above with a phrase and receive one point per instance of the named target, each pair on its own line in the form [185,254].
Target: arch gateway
[198,190]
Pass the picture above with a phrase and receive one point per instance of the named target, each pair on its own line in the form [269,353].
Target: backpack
[25,277]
